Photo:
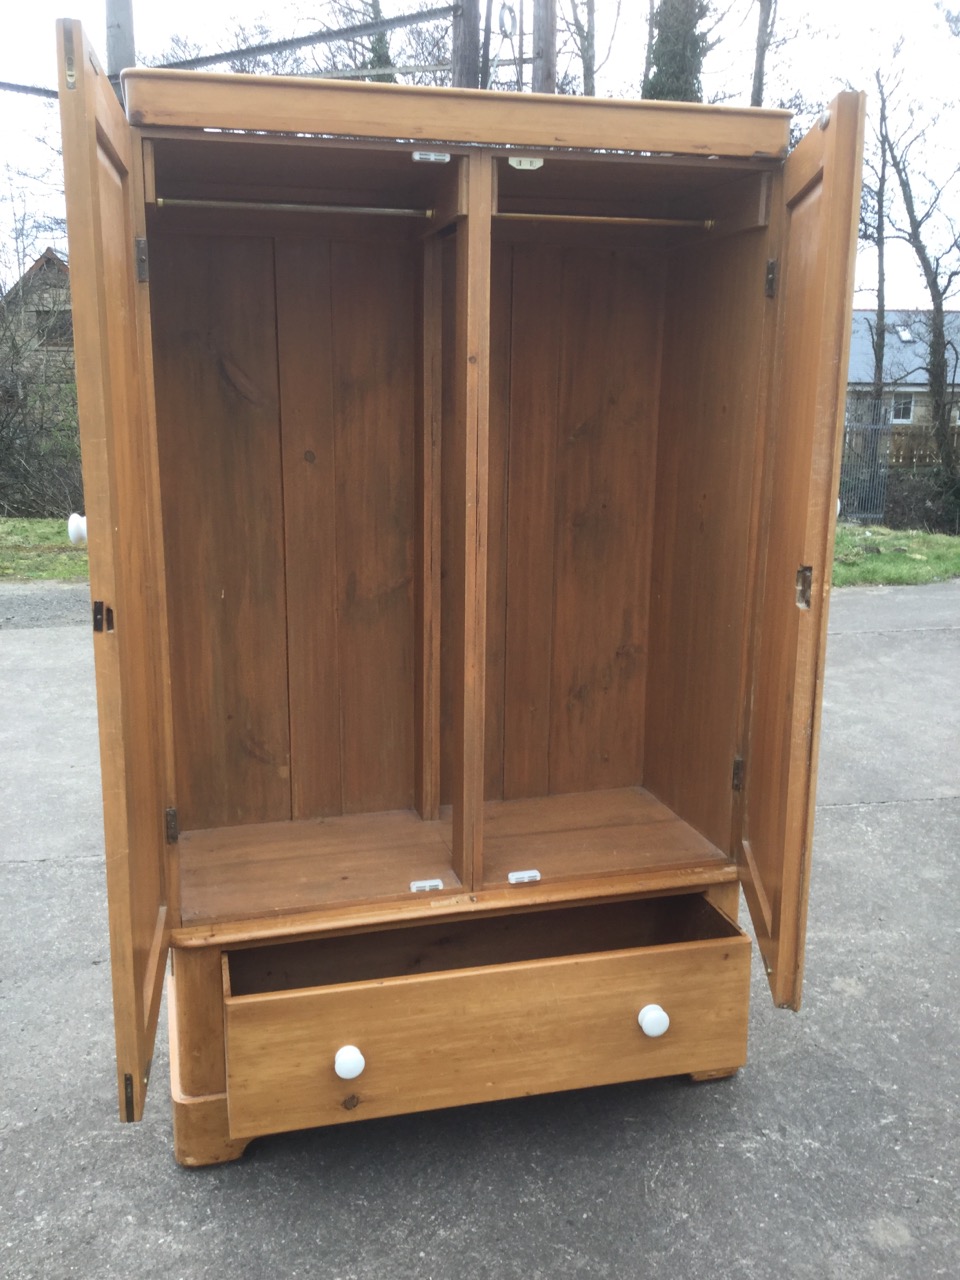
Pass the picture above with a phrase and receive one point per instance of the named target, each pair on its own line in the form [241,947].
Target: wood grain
[821,185]
[306,375]
[468,493]
[374,314]
[215,352]
[710,436]
[126,564]
[292,105]
[233,873]
[589,835]
[482,1034]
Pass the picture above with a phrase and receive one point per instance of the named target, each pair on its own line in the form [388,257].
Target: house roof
[905,350]
[49,261]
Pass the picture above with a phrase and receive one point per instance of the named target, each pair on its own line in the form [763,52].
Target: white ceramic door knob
[349,1062]
[653,1020]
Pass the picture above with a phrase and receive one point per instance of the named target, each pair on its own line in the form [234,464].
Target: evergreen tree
[678,51]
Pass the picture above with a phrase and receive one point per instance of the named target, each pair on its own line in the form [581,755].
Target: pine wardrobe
[461,475]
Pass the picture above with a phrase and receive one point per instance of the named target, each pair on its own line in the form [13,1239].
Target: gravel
[43,604]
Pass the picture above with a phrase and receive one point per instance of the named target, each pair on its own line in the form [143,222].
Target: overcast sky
[831,44]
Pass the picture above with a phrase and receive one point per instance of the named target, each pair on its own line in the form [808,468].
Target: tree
[579,19]
[922,219]
[766,23]
[678,51]
[874,213]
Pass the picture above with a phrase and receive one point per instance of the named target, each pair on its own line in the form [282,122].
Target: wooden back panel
[574,511]
[712,364]
[215,352]
[285,372]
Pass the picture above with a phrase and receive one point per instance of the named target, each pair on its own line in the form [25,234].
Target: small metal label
[431,157]
[525,162]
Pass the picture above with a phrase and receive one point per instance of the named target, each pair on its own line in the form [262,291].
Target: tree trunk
[544,46]
[466,46]
[765,25]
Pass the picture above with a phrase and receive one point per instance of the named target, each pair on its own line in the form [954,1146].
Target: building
[905,401]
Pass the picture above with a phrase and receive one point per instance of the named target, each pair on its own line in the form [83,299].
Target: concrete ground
[833,1155]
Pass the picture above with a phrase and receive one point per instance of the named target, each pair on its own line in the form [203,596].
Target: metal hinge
[738,771]
[770,283]
[171,825]
[143,263]
[102,616]
[128,1096]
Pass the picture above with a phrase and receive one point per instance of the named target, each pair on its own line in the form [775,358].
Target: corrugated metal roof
[906,348]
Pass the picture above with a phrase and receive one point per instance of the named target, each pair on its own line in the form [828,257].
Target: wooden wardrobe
[461,476]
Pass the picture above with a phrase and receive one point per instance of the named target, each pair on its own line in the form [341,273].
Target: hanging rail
[277,206]
[703,224]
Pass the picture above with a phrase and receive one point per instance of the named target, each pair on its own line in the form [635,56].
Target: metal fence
[863,473]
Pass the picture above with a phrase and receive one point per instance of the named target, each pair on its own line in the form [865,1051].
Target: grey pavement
[834,1154]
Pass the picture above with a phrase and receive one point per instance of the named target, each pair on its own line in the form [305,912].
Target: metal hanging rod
[271,206]
[703,224]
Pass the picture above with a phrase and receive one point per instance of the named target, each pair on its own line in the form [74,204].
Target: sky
[828,45]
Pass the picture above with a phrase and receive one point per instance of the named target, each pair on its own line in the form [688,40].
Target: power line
[318,37]
[33,89]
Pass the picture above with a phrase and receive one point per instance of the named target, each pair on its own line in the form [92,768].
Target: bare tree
[766,24]
[578,20]
[874,212]
[922,219]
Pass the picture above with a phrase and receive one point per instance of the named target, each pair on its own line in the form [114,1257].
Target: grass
[39,549]
[872,555]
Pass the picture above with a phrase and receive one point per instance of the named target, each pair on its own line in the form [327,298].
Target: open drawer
[482,1009]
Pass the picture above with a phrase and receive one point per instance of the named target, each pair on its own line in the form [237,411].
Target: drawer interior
[475,942]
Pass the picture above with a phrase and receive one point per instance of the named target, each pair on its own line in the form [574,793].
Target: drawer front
[475,1035]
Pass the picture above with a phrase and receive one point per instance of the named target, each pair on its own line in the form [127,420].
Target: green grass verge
[39,549]
[871,555]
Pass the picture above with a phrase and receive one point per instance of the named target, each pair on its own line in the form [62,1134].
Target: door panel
[801,472]
[126,569]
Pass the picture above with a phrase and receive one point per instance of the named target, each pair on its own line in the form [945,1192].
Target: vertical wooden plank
[535,361]
[218,423]
[429,422]
[606,451]
[801,475]
[501,306]
[709,441]
[120,493]
[451,526]
[470,510]
[305,341]
[374,309]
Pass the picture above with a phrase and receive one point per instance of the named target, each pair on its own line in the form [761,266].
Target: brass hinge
[143,262]
[172,825]
[770,283]
[738,772]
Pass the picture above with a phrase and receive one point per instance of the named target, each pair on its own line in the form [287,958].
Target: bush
[921,499]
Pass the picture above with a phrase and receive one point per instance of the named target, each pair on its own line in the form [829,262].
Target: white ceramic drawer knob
[653,1020]
[349,1062]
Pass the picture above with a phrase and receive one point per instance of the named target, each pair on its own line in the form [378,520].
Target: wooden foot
[721,1073]
[201,1134]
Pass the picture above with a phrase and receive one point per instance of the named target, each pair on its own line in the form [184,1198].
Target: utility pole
[121,51]
[466,45]
[544,46]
